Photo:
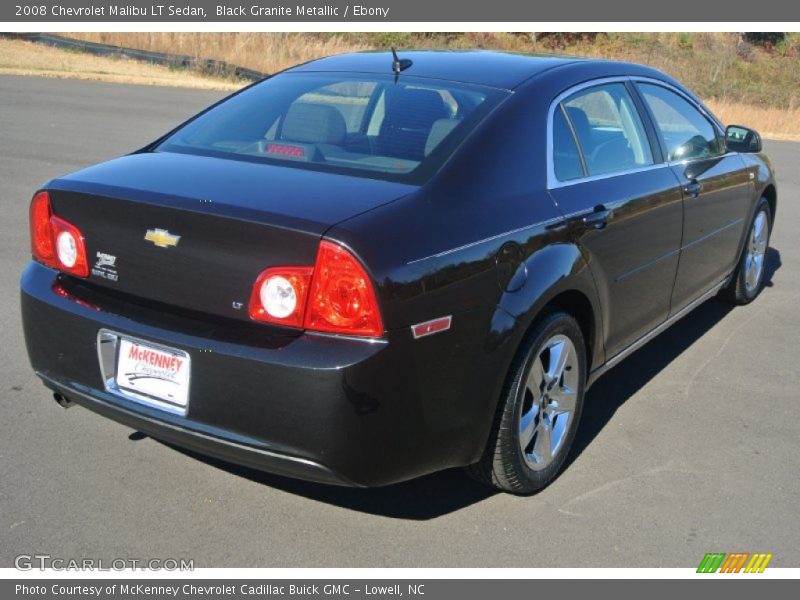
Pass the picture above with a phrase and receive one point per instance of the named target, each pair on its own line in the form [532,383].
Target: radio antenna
[399,64]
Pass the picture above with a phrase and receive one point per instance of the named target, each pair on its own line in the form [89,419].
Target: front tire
[747,280]
[539,409]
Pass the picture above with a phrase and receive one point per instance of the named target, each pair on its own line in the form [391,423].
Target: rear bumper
[242,452]
[326,409]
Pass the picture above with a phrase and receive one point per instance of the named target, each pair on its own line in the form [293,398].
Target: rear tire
[747,280]
[539,409]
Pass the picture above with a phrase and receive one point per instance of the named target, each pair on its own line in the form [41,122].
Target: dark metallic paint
[484,240]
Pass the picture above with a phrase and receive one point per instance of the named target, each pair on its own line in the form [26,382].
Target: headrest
[416,108]
[314,124]
[441,129]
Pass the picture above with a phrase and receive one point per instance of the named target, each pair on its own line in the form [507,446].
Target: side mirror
[742,139]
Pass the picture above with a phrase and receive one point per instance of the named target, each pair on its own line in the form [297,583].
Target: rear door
[717,190]
[607,176]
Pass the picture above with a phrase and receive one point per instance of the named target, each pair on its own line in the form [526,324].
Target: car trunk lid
[195,232]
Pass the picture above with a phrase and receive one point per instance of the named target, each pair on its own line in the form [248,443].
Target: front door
[716,187]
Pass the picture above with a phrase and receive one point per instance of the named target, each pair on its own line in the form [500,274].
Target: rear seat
[321,128]
[441,129]
[409,122]
[314,124]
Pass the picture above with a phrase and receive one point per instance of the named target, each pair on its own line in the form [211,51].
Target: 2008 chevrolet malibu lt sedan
[369,267]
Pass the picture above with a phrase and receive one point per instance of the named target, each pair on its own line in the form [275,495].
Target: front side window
[370,126]
[608,129]
[686,132]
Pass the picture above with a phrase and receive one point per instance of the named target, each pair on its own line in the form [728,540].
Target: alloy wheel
[756,251]
[551,391]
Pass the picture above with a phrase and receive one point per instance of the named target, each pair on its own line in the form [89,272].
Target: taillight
[342,299]
[54,241]
[42,244]
[334,296]
[279,295]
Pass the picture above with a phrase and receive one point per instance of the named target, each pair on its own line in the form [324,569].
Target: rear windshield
[371,126]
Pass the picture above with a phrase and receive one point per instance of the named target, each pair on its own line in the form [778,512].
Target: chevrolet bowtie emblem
[162,238]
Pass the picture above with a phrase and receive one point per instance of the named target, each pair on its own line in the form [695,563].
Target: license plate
[153,373]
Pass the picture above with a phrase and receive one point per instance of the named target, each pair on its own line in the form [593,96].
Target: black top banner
[393,11]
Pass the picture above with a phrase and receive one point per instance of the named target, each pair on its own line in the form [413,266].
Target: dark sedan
[368,268]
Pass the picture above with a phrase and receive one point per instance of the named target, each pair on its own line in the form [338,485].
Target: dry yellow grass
[743,84]
[752,88]
[771,123]
[264,52]
[26,58]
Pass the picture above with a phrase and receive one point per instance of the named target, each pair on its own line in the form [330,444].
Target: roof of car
[496,69]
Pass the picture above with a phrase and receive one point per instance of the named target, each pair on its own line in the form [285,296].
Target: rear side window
[566,160]
[608,128]
[686,132]
[365,125]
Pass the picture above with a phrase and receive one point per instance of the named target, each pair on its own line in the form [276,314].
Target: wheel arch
[575,303]
[771,194]
[558,277]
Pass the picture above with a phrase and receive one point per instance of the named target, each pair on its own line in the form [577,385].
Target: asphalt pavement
[692,445]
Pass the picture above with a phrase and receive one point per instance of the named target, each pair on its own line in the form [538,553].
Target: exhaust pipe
[63,401]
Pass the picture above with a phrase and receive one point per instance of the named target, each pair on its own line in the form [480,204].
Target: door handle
[598,218]
[693,188]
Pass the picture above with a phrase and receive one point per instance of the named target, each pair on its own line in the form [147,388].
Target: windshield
[366,125]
